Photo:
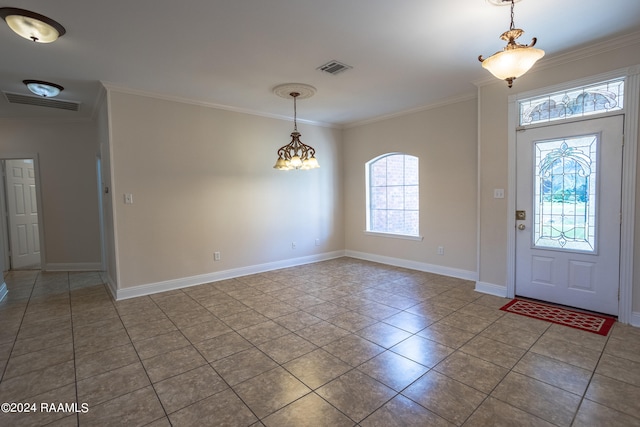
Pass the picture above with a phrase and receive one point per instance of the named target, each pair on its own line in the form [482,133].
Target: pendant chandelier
[515,59]
[296,154]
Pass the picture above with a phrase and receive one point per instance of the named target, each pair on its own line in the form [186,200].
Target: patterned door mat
[575,319]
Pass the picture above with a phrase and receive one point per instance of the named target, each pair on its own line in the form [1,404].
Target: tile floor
[338,343]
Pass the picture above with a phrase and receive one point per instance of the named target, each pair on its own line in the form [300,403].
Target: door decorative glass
[599,98]
[565,189]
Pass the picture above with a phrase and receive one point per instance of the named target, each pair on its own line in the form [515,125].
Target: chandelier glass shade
[515,59]
[42,88]
[296,154]
[31,25]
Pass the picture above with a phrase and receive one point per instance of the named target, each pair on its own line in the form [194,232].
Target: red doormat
[585,321]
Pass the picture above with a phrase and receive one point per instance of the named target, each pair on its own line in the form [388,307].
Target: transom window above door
[599,98]
[393,195]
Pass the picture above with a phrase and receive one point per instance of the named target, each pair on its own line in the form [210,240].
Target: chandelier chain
[512,15]
[295,112]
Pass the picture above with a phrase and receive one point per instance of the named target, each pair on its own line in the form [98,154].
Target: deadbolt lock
[521,215]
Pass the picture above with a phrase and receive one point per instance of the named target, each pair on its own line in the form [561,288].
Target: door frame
[3,217]
[103,249]
[629,152]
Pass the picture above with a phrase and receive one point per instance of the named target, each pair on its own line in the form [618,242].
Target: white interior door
[23,214]
[569,191]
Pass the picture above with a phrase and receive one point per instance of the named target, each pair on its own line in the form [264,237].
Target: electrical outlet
[128,198]
[293,245]
[440,250]
[216,256]
[317,242]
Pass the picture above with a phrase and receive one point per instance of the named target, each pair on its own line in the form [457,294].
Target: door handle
[521,227]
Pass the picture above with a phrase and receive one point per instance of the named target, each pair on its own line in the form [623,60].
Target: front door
[568,213]
[23,214]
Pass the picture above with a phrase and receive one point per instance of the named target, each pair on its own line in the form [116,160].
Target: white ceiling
[405,54]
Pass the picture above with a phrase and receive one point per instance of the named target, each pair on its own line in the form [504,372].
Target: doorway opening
[21,220]
[568,200]
[625,219]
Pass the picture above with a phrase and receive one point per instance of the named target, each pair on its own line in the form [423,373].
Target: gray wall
[67,159]
[203,181]
[445,141]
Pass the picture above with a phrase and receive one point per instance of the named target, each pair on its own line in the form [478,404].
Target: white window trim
[368,201]
[394,235]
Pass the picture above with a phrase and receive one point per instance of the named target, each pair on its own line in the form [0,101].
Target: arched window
[393,194]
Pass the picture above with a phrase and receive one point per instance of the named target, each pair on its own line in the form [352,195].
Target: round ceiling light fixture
[43,89]
[31,25]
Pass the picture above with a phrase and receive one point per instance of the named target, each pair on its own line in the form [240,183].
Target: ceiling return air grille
[334,67]
[16,98]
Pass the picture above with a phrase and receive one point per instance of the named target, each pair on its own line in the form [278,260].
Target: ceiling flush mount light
[43,89]
[295,155]
[515,59]
[31,25]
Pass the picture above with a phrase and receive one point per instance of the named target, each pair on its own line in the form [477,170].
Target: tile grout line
[15,339]
[112,301]
[312,391]
[155,392]
[489,395]
[229,387]
[73,346]
[302,309]
[593,373]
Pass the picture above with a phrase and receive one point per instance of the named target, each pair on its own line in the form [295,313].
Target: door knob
[521,227]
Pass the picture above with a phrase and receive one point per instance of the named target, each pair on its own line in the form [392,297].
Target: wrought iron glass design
[579,102]
[393,195]
[565,193]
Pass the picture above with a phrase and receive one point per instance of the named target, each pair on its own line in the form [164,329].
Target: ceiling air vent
[16,98]
[334,67]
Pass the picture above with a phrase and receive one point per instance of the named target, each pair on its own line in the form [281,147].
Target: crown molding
[441,103]
[155,95]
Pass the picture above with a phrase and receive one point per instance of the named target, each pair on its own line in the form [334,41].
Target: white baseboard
[168,285]
[73,266]
[414,265]
[111,284]
[635,319]
[491,289]
[184,282]
[3,291]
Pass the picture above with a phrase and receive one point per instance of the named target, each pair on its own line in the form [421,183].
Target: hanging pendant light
[296,154]
[515,59]
[31,25]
